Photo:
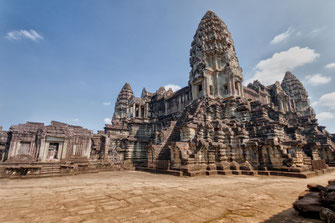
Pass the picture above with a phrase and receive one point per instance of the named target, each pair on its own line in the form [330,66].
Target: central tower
[215,72]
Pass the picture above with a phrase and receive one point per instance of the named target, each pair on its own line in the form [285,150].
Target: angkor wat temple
[215,125]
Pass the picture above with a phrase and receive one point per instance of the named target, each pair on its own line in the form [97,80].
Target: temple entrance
[53,151]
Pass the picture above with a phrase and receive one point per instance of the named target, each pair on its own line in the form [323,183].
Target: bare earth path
[144,197]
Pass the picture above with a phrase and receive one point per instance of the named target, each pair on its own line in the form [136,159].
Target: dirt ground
[143,197]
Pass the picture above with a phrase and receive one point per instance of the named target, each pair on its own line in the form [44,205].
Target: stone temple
[215,125]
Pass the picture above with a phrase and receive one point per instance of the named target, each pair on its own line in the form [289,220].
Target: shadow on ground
[290,216]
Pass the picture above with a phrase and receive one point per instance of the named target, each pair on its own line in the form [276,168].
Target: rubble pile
[317,202]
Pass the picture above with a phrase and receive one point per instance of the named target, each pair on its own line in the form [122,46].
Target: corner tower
[298,94]
[215,72]
[121,110]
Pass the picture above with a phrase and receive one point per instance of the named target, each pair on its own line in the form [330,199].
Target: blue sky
[67,60]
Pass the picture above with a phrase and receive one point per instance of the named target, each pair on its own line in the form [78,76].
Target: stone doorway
[53,151]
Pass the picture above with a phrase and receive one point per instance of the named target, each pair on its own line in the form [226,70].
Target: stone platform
[273,172]
[44,169]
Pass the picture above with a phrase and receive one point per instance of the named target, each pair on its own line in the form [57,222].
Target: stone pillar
[140,111]
[147,110]
[205,87]
[193,92]
[107,142]
[215,63]
[241,89]
[166,107]
[216,84]
[13,147]
[134,110]
[179,102]
[88,149]
[231,82]
[64,148]
[61,153]
[45,154]
[280,105]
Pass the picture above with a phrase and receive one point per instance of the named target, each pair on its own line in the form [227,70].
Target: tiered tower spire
[298,94]
[122,102]
[215,72]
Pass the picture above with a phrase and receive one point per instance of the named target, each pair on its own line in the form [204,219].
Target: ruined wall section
[4,144]
[35,142]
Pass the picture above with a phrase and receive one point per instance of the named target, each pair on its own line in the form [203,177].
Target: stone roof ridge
[59,123]
[161,90]
[34,123]
[146,93]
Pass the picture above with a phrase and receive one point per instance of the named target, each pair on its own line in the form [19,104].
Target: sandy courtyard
[144,197]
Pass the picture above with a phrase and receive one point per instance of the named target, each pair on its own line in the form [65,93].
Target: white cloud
[75,120]
[318,79]
[23,34]
[317,30]
[314,103]
[273,69]
[174,87]
[107,103]
[323,116]
[326,100]
[330,65]
[108,120]
[281,37]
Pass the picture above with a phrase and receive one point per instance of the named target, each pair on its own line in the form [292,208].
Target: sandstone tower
[299,101]
[215,72]
[122,109]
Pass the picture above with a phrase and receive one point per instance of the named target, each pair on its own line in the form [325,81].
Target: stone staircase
[307,160]
[77,164]
[174,135]
[161,150]
[190,110]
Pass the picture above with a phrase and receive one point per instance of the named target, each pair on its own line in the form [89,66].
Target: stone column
[61,153]
[107,141]
[205,87]
[194,92]
[165,103]
[134,110]
[64,148]
[13,147]
[140,111]
[88,149]
[280,105]
[41,150]
[146,110]
[179,101]
[231,82]
[216,84]
[45,154]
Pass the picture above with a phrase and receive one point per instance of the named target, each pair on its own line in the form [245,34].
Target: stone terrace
[128,196]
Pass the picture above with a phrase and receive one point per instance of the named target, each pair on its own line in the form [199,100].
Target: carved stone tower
[215,72]
[121,110]
[298,94]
